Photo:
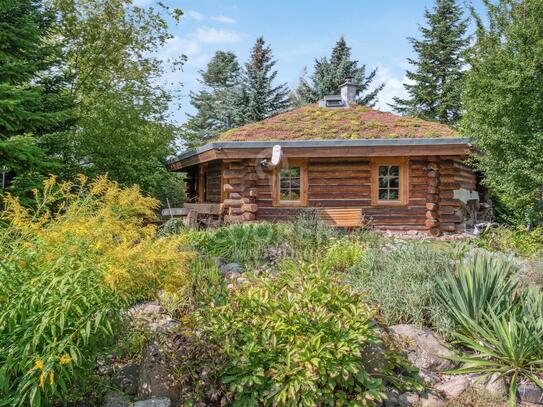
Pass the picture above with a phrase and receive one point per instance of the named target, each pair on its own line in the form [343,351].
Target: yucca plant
[484,283]
[508,345]
[500,325]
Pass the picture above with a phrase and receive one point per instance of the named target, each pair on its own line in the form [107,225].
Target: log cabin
[349,164]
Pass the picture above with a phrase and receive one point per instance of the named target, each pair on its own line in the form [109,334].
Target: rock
[155,379]
[151,316]
[397,399]
[231,270]
[496,386]
[425,349]
[453,388]
[373,358]
[116,400]
[154,402]
[127,379]
[430,400]
[428,376]
[530,393]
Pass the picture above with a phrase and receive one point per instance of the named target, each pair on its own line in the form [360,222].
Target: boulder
[424,348]
[154,402]
[430,400]
[530,393]
[116,400]
[397,399]
[155,378]
[454,387]
[373,358]
[127,378]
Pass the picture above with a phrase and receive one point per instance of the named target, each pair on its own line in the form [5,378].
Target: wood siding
[213,182]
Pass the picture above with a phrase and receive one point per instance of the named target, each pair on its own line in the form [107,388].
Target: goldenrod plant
[68,266]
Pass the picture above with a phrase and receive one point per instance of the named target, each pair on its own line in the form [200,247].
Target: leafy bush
[64,276]
[516,241]
[308,235]
[402,280]
[243,243]
[501,328]
[298,338]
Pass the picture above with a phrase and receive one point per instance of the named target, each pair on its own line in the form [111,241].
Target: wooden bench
[193,213]
[340,217]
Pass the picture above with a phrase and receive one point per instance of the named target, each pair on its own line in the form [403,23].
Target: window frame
[403,191]
[276,183]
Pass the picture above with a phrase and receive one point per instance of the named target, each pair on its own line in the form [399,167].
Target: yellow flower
[64,359]
[39,364]
[43,376]
[52,377]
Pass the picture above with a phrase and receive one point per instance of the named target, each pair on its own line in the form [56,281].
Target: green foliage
[344,253]
[34,106]
[501,329]
[329,75]
[435,91]
[402,281]
[68,265]
[259,97]
[246,244]
[483,285]
[53,322]
[123,126]
[503,101]
[517,241]
[215,103]
[298,338]
[307,235]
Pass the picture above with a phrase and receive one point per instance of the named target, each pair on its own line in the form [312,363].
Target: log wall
[213,182]
[346,183]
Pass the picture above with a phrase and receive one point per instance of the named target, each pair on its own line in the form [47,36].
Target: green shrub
[344,253]
[65,275]
[307,235]
[402,280]
[516,241]
[500,328]
[245,243]
[298,339]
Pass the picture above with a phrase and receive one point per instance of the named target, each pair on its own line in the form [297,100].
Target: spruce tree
[258,97]
[330,74]
[215,111]
[33,106]
[435,91]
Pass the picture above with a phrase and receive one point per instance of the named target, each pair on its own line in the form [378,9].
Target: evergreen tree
[330,74]
[34,106]
[435,93]
[503,103]
[215,102]
[258,98]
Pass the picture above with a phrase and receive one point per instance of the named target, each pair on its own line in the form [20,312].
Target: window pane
[393,195]
[383,195]
[383,183]
[394,182]
[394,170]
[289,184]
[383,170]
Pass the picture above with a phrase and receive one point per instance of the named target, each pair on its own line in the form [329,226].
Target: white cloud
[393,87]
[224,19]
[216,36]
[195,15]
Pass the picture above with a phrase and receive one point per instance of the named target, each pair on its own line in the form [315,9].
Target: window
[389,183]
[389,186]
[290,184]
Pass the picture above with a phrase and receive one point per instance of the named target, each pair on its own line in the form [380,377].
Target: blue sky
[298,31]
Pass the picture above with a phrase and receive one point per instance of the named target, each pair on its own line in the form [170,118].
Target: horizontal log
[249,207]
[431,215]
[233,174]
[432,206]
[247,216]
[235,211]
[235,195]
[233,203]
[431,223]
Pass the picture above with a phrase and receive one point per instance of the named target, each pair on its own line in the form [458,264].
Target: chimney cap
[349,91]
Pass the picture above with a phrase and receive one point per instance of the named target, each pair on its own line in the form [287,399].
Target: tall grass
[402,279]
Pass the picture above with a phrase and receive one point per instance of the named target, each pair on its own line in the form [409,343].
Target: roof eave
[220,149]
